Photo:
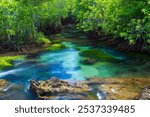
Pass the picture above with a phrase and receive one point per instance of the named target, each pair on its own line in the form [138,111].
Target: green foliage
[40,38]
[21,20]
[56,41]
[6,61]
[121,18]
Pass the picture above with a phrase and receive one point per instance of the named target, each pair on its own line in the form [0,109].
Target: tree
[127,20]
[21,21]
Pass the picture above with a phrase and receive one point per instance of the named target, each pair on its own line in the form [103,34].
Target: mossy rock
[97,54]
[6,61]
[54,47]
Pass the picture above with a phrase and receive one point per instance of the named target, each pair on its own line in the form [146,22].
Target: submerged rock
[97,54]
[122,88]
[54,87]
[145,94]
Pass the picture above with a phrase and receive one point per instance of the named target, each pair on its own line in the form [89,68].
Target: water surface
[66,65]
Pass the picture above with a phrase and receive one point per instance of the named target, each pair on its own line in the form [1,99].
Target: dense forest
[97,41]
[23,22]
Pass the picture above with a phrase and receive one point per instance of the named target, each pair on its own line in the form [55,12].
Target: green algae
[45,41]
[58,35]
[6,61]
[56,41]
[97,54]
[55,47]
[91,95]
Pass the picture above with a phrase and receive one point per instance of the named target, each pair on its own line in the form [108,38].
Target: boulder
[145,94]
[53,87]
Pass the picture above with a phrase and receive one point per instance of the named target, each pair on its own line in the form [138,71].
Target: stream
[66,65]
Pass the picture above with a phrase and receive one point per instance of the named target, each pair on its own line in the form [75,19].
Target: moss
[58,35]
[97,54]
[91,95]
[54,47]
[56,41]
[6,61]
[45,41]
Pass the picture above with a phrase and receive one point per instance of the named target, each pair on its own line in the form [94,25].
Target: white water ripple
[14,71]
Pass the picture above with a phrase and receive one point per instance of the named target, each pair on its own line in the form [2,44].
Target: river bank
[109,74]
[121,88]
[110,88]
[93,89]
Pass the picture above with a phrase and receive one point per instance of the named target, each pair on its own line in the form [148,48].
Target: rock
[122,88]
[3,84]
[145,94]
[53,87]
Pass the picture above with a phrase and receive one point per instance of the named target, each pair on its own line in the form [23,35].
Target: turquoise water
[67,65]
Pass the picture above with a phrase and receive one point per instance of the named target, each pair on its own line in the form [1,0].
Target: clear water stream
[66,65]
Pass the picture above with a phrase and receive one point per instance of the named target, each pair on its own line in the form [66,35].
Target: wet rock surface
[3,85]
[53,88]
[123,88]
[145,94]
